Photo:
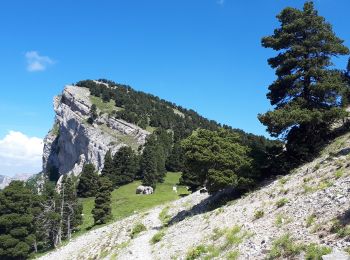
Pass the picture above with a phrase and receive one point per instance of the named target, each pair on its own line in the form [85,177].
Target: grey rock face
[73,142]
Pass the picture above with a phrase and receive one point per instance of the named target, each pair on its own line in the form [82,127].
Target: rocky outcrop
[73,142]
[145,190]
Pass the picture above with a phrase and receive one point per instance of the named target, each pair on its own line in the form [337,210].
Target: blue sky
[201,54]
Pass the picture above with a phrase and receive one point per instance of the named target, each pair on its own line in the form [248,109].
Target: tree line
[33,221]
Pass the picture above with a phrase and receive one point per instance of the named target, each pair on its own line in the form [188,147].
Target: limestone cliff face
[73,142]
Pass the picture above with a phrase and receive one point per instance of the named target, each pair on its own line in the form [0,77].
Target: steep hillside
[302,215]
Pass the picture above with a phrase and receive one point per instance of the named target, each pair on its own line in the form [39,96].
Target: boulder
[146,190]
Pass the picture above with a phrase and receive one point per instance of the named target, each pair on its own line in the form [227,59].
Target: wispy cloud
[36,62]
[220,2]
[20,154]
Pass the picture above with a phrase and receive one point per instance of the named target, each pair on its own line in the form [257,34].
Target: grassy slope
[125,202]
[105,107]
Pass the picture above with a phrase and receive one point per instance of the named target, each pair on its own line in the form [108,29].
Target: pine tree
[102,210]
[48,221]
[108,166]
[125,166]
[153,162]
[71,208]
[93,114]
[149,167]
[215,159]
[88,182]
[307,93]
[175,161]
[17,230]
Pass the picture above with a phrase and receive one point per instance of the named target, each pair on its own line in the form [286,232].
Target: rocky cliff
[72,142]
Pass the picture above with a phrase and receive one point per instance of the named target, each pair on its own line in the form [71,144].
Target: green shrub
[258,214]
[317,166]
[137,229]
[164,216]
[340,229]
[284,247]
[307,188]
[217,233]
[310,220]
[324,185]
[234,237]
[280,203]
[339,173]
[233,255]
[196,252]
[157,237]
[283,180]
[315,252]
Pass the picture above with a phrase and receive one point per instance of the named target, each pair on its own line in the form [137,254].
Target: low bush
[137,229]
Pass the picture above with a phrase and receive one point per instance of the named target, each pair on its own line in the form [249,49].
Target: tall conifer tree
[307,93]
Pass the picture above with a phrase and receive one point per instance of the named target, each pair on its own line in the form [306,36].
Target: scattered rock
[337,255]
[146,190]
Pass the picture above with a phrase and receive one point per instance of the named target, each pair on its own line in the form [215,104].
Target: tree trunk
[59,233]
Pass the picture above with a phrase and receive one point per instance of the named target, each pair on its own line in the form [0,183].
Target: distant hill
[5,180]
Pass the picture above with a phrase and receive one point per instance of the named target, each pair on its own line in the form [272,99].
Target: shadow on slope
[211,203]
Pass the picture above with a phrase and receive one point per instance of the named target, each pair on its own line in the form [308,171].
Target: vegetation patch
[280,203]
[196,252]
[339,173]
[284,247]
[56,129]
[164,216]
[324,185]
[282,219]
[104,107]
[125,202]
[233,255]
[283,180]
[157,237]
[340,229]
[310,220]
[137,229]
[315,252]
[258,214]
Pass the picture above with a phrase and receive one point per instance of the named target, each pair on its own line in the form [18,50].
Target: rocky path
[140,247]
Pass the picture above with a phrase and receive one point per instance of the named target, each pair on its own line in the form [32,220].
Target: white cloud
[220,2]
[20,154]
[35,62]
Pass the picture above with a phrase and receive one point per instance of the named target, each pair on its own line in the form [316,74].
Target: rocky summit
[73,142]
